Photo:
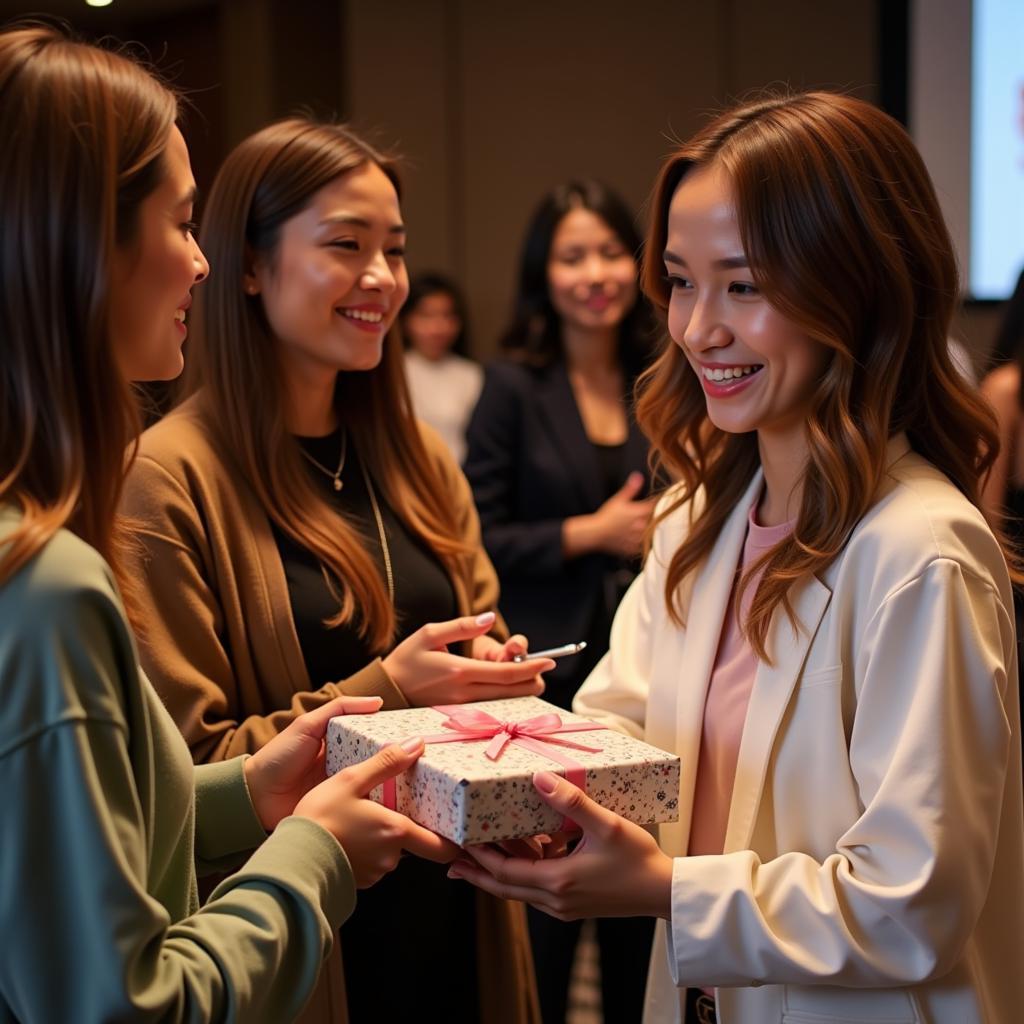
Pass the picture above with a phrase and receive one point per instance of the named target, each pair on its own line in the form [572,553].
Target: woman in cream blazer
[867,852]
[872,868]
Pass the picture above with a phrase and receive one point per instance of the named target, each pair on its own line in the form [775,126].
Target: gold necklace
[385,550]
[336,475]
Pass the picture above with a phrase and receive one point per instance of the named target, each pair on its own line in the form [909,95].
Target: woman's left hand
[283,771]
[616,870]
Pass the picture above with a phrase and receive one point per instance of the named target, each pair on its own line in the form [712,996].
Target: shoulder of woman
[922,517]
[443,463]
[58,585]
[1001,387]
[675,514]
[179,443]
[66,641]
[468,368]
[438,452]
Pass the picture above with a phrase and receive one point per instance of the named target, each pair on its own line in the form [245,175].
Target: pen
[552,652]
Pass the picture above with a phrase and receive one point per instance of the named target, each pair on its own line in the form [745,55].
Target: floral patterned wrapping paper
[458,792]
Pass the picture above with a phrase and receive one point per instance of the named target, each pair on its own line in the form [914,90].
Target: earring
[250,289]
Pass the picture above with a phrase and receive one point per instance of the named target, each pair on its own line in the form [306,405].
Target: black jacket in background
[531,466]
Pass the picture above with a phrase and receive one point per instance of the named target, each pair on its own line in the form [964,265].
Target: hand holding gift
[287,776]
[616,870]
[428,673]
[284,770]
[372,836]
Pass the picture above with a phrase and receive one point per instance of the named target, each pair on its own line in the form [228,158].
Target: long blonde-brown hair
[84,133]
[844,235]
[233,368]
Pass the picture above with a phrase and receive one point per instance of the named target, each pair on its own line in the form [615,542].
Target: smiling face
[336,279]
[758,369]
[591,274]
[154,272]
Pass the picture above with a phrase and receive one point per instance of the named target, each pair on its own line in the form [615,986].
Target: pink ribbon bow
[535,733]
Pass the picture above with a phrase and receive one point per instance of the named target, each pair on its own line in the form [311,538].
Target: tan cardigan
[219,644]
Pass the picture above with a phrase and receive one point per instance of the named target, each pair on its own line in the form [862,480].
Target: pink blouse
[725,708]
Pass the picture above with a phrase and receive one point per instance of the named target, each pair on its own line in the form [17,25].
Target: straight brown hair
[844,234]
[233,368]
[85,130]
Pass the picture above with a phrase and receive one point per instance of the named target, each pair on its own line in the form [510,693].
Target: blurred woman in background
[558,471]
[444,384]
[1003,493]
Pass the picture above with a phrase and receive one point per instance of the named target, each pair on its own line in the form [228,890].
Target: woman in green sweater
[104,816]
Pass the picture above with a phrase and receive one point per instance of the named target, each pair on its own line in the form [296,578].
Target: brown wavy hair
[85,131]
[234,369]
[844,235]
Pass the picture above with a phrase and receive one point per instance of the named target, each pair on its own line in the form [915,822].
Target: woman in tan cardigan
[297,525]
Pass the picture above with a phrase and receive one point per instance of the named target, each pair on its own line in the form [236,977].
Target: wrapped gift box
[474,784]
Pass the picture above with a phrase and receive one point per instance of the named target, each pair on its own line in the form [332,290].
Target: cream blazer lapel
[773,689]
[689,656]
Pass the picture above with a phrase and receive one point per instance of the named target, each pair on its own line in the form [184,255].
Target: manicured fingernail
[412,744]
[485,618]
[454,873]
[545,781]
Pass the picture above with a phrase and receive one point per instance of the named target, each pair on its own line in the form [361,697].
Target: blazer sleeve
[86,937]
[496,449]
[929,748]
[183,643]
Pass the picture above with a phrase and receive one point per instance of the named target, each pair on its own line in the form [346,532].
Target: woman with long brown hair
[824,626]
[305,537]
[103,814]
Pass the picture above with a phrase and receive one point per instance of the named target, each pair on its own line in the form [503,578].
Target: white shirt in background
[444,393]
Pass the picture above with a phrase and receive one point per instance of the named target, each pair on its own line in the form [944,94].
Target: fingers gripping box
[473,783]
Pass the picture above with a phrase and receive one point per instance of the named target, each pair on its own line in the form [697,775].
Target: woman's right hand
[617,527]
[422,667]
[372,836]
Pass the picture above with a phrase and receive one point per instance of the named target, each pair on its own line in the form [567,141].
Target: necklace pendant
[337,484]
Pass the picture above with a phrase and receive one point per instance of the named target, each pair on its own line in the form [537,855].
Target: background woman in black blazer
[558,470]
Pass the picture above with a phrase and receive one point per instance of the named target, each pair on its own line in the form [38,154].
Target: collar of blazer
[691,652]
[559,412]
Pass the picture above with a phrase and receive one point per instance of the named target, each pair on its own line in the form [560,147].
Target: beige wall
[492,103]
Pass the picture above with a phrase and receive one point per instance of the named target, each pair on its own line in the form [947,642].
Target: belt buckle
[705,1006]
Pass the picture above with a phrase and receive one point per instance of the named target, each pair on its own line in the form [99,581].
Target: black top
[531,466]
[423,590]
[415,918]
[611,458]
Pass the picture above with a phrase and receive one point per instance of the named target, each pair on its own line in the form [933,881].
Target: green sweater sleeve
[227,827]
[96,838]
